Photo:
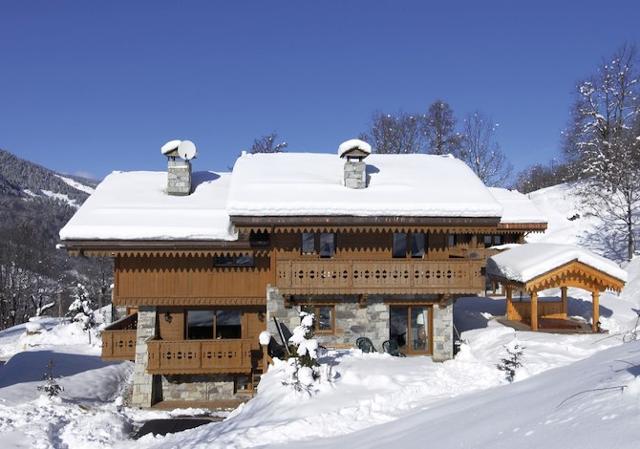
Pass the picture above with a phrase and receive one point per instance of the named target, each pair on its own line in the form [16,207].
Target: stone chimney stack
[355,169]
[179,154]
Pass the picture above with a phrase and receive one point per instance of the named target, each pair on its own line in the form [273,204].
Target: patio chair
[365,345]
[391,347]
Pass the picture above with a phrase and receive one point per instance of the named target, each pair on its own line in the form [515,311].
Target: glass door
[410,328]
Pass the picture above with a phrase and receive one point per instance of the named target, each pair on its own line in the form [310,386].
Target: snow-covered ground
[567,394]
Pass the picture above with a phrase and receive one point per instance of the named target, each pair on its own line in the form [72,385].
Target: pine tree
[302,365]
[81,309]
[512,362]
[50,386]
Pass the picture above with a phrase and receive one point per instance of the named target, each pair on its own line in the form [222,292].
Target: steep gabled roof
[311,184]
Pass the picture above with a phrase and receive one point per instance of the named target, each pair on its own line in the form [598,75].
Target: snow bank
[525,262]
[517,207]
[416,185]
[135,206]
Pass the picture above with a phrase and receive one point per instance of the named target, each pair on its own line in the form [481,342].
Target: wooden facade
[181,278]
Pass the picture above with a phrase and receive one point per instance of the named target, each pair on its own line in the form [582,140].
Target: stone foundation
[201,388]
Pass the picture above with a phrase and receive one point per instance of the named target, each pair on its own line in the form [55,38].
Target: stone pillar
[143,394]
[595,324]
[355,174]
[443,331]
[179,177]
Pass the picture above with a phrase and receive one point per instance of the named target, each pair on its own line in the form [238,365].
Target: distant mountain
[35,203]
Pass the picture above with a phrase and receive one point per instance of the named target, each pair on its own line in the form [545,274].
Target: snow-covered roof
[526,262]
[135,206]
[517,207]
[351,144]
[311,184]
[170,146]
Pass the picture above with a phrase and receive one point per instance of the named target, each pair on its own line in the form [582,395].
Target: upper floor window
[491,240]
[259,238]
[210,324]
[323,243]
[409,245]
[245,260]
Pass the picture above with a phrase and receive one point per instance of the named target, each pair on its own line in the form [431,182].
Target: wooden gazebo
[535,267]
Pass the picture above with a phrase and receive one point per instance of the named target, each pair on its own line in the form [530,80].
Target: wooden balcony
[404,276]
[119,339]
[202,356]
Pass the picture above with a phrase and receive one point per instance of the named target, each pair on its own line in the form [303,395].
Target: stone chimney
[355,169]
[179,155]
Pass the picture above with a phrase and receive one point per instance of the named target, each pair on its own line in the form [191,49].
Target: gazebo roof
[536,266]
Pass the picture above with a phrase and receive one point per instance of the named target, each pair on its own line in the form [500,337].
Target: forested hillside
[35,276]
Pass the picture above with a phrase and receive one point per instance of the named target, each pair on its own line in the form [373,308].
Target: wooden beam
[511,313]
[595,325]
[534,311]
[565,306]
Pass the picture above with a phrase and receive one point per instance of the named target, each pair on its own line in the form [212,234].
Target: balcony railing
[379,277]
[119,339]
[202,356]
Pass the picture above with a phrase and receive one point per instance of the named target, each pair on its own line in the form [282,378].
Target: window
[324,317]
[488,241]
[324,244]
[245,260]
[451,240]
[200,324]
[259,238]
[308,243]
[413,244]
[327,244]
[418,244]
[399,244]
[210,324]
[497,240]
[228,324]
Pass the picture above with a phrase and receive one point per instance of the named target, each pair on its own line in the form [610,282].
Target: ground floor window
[324,317]
[210,324]
[410,328]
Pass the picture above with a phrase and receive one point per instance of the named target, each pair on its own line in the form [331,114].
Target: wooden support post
[565,306]
[595,325]
[534,311]
[510,311]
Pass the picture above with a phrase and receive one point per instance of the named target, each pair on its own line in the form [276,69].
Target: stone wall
[351,320]
[144,385]
[443,331]
[179,177]
[198,388]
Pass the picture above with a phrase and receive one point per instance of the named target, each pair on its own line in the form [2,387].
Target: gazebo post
[595,296]
[565,307]
[510,314]
[534,311]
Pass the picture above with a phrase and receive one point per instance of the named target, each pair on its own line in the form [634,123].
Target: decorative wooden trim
[522,227]
[187,301]
[355,221]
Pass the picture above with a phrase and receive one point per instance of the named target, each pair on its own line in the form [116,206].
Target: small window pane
[399,244]
[200,324]
[451,240]
[324,318]
[487,241]
[418,244]
[308,243]
[234,261]
[497,239]
[327,244]
[228,324]
[419,329]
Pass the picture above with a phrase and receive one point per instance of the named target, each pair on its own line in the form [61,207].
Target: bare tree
[603,144]
[481,151]
[539,176]
[399,134]
[267,144]
[439,128]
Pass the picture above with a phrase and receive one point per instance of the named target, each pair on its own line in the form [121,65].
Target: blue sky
[91,87]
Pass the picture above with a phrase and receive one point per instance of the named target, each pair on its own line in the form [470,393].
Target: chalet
[375,245]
